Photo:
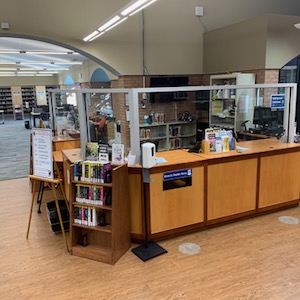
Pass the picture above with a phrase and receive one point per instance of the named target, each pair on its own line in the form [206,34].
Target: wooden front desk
[171,210]
[226,186]
[62,143]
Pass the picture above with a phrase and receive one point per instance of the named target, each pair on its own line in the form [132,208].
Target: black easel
[148,249]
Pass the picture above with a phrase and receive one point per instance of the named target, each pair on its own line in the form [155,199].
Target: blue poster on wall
[277,100]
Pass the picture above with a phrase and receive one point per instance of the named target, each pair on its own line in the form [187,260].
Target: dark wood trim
[279,206]
[176,232]
[230,219]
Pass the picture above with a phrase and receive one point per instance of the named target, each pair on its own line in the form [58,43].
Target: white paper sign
[42,152]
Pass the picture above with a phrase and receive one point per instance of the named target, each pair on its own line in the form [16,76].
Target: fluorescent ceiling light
[16,51]
[7,69]
[97,36]
[111,27]
[139,9]
[133,7]
[91,35]
[109,23]
[42,69]
[50,63]
[9,51]
[117,18]
[40,75]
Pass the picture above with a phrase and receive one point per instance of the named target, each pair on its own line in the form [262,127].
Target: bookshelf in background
[100,213]
[170,135]
[48,93]
[6,100]
[28,95]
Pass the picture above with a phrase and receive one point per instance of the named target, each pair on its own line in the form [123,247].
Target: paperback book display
[92,171]
[218,140]
[93,194]
[89,216]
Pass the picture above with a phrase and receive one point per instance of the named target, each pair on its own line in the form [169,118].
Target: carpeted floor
[14,149]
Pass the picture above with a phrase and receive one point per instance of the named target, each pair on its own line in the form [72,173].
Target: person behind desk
[98,130]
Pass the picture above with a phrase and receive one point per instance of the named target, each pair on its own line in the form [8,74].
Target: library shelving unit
[48,95]
[225,111]
[6,100]
[181,134]
[156,133]
[28,95]
[170,135]
[109,242]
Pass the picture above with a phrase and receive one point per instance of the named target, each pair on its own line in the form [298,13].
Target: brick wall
[173,108]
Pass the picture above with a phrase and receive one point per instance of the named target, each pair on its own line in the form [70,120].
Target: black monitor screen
[168,81]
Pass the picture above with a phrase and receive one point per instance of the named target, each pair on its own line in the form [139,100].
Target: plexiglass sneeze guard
[265,108]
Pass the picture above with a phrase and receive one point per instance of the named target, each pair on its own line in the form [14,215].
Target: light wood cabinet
[279,179]
[106,243]
[231,188]
[178,207]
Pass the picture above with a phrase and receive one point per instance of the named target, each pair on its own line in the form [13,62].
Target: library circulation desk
[212,189]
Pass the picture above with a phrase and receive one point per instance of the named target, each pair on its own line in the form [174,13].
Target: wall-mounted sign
[178,174]
[277,100]
[42,152]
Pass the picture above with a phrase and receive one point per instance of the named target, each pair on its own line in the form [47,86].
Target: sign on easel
[42,152]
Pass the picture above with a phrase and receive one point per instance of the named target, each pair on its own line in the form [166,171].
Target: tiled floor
[14,149]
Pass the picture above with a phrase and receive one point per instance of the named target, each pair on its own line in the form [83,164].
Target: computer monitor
[262,116]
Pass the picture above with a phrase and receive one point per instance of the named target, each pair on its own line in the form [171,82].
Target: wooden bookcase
[105,243]
[6,100]
[170,135]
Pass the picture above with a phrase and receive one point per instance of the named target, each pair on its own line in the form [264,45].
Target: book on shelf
[88,216]
[93,194]
[92,171]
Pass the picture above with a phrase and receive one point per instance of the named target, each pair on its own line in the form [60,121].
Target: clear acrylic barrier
[263,107]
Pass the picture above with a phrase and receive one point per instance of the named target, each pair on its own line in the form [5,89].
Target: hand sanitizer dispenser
[148,155]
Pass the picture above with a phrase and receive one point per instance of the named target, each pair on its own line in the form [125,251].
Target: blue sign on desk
[277,101]
[179,174]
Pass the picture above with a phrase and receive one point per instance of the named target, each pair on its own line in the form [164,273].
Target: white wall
[268,41]
[239,47]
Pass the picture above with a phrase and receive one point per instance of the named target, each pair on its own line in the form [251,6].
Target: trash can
[52,215]
[27,125]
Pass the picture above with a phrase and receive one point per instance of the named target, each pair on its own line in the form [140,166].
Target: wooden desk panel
[279,179]
[65,143]
[178,207]
[136,203]
[231,188]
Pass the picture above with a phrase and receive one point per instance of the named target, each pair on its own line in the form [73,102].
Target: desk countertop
[176,157]
[35,113]
[253,147]
[63,138]
[72,155]
[57,156]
